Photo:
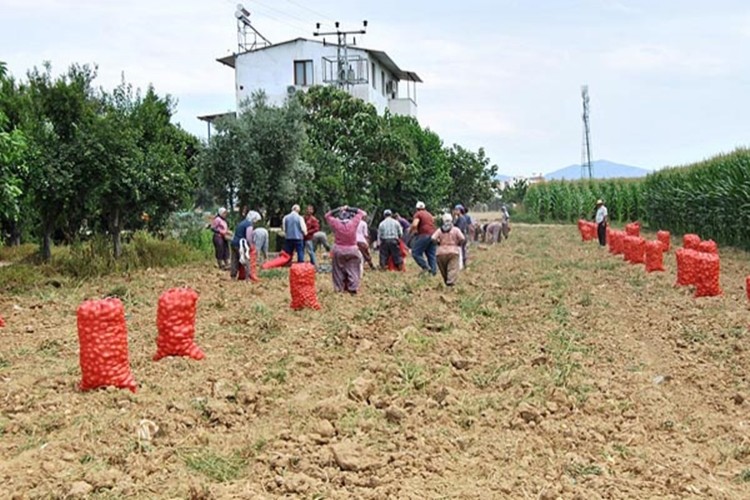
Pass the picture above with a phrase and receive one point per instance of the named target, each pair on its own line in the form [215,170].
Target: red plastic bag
[103,342]
[633,229]
[665,238]
[302,286]
[686,266]
[175,321]
[280,261]
[708,246]
[707,276]
[691,241]
[654,256]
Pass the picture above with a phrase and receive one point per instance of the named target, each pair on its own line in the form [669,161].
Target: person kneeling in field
[493,233]
[347,269]
[450,240]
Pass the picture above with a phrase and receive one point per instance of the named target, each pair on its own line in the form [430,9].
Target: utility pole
[343,72]
[586,148]
[244,27]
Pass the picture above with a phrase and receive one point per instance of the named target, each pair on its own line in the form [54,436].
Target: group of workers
[442,247]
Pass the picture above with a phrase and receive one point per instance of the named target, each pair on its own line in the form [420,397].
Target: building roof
[378,55]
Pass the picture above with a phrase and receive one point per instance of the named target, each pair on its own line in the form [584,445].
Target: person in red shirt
[313,226]
[423,227]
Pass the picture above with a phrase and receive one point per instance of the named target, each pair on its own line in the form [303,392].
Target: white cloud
[645,58]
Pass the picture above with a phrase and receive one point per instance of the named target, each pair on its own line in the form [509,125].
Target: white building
[287,67]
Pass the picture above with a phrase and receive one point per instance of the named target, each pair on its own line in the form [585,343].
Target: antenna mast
[586,149]
[345,74]
[245,28]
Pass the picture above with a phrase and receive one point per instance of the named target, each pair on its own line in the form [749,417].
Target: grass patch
[220,468]
[744,476]
[581,470]
[266,323]
[412,376]
[562,345]
[278,371]
[49,348]
[272,274]
[490,375]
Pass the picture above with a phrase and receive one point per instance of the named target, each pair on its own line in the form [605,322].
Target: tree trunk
[116,241]
[47,244]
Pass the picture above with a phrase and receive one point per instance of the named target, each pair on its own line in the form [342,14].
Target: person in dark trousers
[422,227]
[295,230]
[389,236]
[313,226]
[602,219]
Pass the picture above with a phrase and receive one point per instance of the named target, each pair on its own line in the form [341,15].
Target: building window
[382,82]
[303,73]
[372,76]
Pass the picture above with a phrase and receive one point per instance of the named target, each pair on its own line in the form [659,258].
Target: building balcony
[404,106]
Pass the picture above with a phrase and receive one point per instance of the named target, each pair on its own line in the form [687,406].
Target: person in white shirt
[602,219]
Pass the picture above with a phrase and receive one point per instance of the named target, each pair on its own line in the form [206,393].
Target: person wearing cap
[313,226]
[221,247]
[449,241]
[347,261]
[602,219]
[389,241]
[295,231]
[423,227]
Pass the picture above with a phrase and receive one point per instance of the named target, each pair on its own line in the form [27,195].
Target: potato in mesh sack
[103,342]
[302,286]
[175,321]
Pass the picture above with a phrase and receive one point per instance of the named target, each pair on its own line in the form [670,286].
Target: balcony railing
[355,70]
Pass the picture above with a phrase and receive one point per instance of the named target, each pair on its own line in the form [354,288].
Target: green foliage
[710,198]
[568,201]
[255,158]
[472,176]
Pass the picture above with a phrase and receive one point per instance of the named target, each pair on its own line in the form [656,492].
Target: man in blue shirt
[295,229]
[243,231]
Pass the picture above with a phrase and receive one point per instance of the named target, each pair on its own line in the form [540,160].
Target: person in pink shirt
[449,239]
[221,246]
[347,270]
[363,242]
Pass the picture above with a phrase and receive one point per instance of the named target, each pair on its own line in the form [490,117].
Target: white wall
[272,70]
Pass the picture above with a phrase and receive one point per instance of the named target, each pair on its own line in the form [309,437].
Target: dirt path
[553,370]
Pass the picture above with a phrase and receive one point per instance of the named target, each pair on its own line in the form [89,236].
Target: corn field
[710,198]
[568,201]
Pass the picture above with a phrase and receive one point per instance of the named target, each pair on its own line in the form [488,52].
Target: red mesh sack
[253,268]
[708,246]
[2,322]
[707,275]
[103,342]
[633,229]
[581,229]
[618,242]
[302,286]
[665,238]
[639,251]
[654,256]
[747,287]
[691,241]
[629,248]
[686,266]
[592,233]
[280,261]
[175,321]
[611,243]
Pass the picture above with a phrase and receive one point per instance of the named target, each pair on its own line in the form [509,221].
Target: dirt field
[553,370]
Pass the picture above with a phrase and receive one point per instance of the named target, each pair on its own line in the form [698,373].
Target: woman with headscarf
[221,246]
[449,239]
[347,270]
[462,222]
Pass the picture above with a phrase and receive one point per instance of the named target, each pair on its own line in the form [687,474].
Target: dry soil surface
[553,370]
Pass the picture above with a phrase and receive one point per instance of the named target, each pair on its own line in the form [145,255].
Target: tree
[254,159]
[12,157]
[60,115]
[473,176]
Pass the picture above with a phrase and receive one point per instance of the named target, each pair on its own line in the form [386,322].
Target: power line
[318,14]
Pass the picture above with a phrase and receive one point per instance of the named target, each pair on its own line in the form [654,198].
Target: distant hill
[601,169]
[503,178]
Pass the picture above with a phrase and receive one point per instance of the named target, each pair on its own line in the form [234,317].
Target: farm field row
[553,369]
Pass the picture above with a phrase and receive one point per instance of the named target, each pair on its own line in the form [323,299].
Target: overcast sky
[669,79]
